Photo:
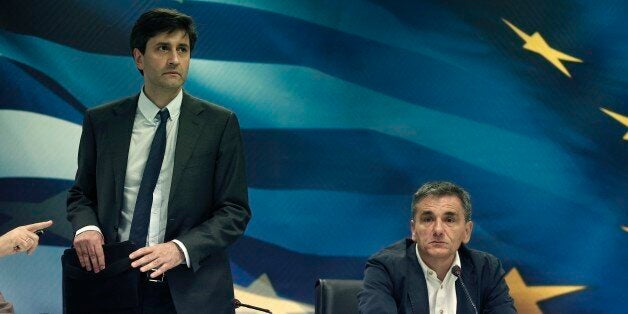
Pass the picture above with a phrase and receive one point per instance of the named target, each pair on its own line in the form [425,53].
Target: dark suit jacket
[208,203]
[394,283]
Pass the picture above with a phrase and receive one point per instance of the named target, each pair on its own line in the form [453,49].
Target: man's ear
[468,228]
[138,57]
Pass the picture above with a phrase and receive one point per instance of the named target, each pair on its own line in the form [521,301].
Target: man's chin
[439,252]
[438,245]
[172,85]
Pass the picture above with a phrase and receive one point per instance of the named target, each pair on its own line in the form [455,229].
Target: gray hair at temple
[443,188]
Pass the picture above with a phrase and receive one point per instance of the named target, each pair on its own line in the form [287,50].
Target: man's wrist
[89,228]
[181,254]
[182,249]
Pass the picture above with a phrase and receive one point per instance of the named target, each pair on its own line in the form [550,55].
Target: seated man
[433,272]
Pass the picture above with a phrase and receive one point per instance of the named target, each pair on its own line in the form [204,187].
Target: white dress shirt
[144,129]
[441,294]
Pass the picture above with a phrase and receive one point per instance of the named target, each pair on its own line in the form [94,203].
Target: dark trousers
[155,297]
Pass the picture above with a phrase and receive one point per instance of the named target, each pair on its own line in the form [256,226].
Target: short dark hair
[443,188]
[158,21]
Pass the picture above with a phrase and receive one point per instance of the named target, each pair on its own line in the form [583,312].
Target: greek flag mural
[346,108]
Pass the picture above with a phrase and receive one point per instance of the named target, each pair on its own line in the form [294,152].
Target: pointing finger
[39,225]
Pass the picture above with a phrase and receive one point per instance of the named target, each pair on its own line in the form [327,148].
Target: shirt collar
[430,272]
[149,109]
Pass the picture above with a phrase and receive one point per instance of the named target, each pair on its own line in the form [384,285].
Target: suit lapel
[469,277]
[190,123]
[120,130]
[415,282]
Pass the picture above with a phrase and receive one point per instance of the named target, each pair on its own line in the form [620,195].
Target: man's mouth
[172,73]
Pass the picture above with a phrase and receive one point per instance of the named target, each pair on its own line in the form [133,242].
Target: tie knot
[164,115]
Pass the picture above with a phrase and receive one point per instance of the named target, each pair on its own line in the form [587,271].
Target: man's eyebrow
[166,43]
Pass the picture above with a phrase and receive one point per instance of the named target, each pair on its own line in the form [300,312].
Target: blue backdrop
[346,108]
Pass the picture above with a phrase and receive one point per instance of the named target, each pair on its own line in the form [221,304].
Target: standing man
[434,272]
[166,171]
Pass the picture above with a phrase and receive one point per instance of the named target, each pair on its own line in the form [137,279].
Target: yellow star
[536,43]
[262,294]
[622,119]
[526,297]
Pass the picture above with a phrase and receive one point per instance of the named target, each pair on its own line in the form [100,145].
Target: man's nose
[438,227]
[174,58]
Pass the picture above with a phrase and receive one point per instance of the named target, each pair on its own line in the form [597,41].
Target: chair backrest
[337,296]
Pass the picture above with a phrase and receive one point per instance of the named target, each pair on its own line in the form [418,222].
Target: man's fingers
[143,261]
[161,270]
[151,265]
[140,252]
[93,258]
[78,246]
[20,245]
[32,248]
[88,247]
[100,256]
[32,236]
[33,241]
[39,225]
[85,255]
[159,258]
[79,254]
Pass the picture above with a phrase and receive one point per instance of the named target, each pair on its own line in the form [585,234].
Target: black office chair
[337,296]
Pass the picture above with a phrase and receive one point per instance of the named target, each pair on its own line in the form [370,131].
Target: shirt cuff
[184,250]
[88,228]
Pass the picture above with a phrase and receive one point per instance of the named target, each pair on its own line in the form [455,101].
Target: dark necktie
[144,202]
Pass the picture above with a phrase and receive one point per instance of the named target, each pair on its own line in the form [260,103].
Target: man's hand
[22,239]
[160,257]
[88,245]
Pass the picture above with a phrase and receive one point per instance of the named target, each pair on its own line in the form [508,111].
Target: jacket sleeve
[376,296]
[231,206]
[496,297]
[82,202]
